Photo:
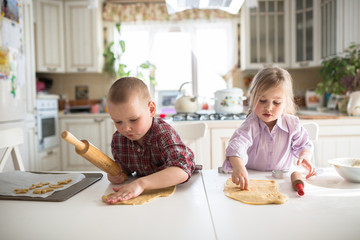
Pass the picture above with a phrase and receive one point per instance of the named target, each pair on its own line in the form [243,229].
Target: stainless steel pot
[229,101]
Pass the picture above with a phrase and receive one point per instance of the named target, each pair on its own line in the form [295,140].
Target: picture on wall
[10,9]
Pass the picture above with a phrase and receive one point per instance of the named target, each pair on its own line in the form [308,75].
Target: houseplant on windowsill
[339,75]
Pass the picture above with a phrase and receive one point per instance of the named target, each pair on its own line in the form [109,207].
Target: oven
[47,123]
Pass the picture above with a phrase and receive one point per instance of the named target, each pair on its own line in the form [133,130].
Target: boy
[144,144]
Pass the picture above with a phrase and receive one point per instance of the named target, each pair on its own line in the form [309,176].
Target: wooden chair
[313,130]
[10,139]
[191,134]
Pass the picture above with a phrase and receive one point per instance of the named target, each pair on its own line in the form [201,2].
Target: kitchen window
[197,52]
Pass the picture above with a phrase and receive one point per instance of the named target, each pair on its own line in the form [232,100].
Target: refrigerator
[17,76]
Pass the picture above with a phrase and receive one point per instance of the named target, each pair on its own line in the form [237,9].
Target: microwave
[47,123]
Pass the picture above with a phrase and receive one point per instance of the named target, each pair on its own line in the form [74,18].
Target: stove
[207,116]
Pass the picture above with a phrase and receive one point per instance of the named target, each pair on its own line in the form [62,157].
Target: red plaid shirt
[162,148]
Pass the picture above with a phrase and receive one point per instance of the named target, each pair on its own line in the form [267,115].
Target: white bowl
[348,168]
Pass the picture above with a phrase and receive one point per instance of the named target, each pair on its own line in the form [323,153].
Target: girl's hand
[239,174]
[304,160]
[125,192]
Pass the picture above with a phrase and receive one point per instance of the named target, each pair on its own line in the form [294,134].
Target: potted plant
[339,73]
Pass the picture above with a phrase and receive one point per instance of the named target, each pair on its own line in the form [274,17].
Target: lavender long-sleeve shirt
[263,150]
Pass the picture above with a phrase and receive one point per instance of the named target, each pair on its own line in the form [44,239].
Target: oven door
[47,122]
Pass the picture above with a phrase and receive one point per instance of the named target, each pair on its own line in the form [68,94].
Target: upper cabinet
[265,38]
[50,48]
[305,37]
[69,36]
[297,33]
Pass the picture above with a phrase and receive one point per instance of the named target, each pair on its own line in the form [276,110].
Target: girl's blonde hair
[272,77]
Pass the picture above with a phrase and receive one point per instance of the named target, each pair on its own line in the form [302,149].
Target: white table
[330,209]
[185,215]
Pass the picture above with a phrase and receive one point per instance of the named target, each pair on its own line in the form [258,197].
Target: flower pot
[353,106]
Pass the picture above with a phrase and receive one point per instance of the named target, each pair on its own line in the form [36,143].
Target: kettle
[184,103]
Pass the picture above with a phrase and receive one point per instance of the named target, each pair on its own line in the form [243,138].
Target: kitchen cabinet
[265,35]
[50,159]
[91,128]
[84,38]
[69,36]
[305,33]
[50,46]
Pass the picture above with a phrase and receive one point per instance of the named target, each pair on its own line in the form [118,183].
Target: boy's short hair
[122,89]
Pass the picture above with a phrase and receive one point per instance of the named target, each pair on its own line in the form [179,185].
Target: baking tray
[60,196]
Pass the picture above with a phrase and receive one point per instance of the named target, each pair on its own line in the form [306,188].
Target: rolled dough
[146,196]
[260,192]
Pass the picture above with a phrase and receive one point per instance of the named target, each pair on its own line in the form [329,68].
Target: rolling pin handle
[67,136]
[300,189]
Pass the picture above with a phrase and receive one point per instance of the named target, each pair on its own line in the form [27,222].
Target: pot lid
[231,90]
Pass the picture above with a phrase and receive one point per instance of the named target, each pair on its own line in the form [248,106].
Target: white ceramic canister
[353,107]
[229,101]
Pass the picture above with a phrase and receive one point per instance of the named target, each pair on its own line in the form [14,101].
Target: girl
[271,135]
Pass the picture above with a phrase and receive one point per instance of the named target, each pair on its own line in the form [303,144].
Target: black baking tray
[60,196]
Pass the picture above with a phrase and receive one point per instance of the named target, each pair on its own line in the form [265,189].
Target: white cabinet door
[50,160]
[348,19]
[265,35]
[91,129]
[110,130]
[219,141]
[50,36]
[305,32]
[83,37]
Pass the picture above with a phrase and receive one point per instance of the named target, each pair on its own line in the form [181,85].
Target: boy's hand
[125,192]
[304,160]
[120,178]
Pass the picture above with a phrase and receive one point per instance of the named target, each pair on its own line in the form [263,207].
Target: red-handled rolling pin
[297,183]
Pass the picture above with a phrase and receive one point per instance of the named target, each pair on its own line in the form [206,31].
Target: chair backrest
[191,134]
[313,131]
[10,139]
[190,131]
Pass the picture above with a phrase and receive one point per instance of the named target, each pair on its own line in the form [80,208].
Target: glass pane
[280,6]
[262,46]
[262,7]
[212,66]
[309,3]
[253,40]
[299,4]
[281,39]
[271,53]
[48,127]
[271,6]
[323,32]
[174,47]
[136,43]
[299,37]
[333,28]
[309,35]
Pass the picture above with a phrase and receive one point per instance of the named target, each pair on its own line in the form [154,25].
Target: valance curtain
[141,12]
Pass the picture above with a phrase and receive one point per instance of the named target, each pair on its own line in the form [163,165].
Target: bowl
[348,168]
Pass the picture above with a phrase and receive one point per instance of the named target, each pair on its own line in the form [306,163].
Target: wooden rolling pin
[88,151]
[297,183]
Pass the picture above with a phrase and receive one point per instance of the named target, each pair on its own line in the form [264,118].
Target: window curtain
[141,12]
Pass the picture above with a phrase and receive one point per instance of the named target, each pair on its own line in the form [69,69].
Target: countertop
[198,209]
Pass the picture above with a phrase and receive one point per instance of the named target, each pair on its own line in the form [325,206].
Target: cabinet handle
[98,120]
[51,152]
[81,69]
[304,64]
[51,69]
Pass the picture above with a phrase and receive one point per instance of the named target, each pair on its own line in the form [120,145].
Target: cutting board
[60,196]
